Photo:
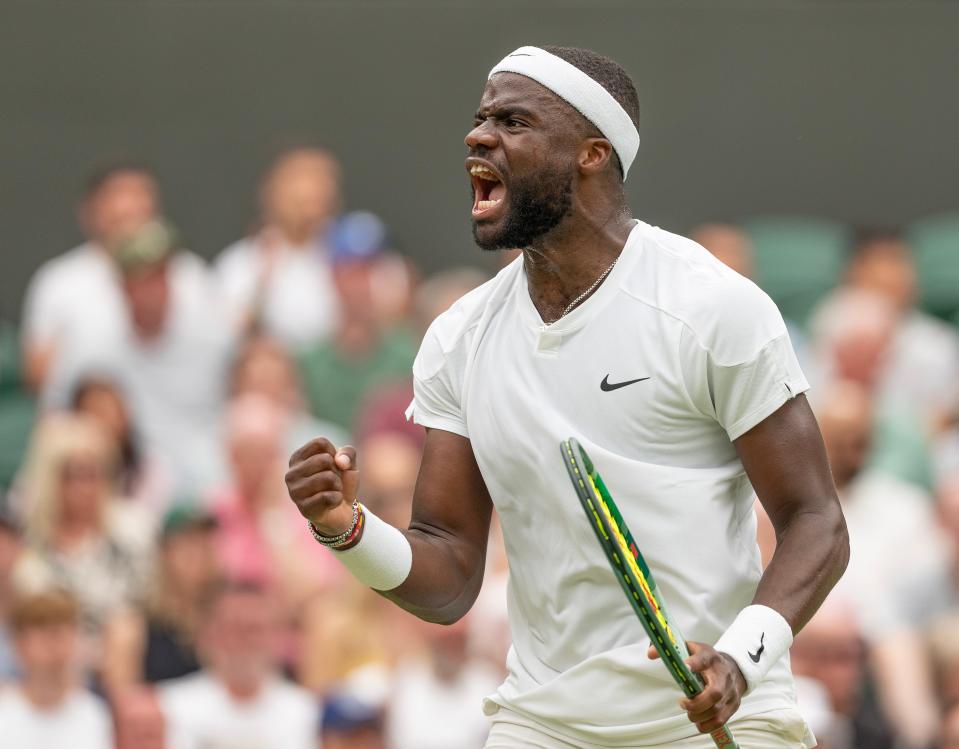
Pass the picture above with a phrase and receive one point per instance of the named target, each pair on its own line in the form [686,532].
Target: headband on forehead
[584,94]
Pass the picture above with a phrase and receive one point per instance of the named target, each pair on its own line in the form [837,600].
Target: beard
[537,204]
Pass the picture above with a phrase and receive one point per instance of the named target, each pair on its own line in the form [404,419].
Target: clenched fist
[322,482]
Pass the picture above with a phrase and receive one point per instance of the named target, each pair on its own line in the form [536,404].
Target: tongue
[497,192]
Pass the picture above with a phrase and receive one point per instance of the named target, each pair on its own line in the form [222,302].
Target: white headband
[587,96]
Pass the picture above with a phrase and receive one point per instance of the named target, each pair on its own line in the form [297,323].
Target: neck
[45,694]
[568,260]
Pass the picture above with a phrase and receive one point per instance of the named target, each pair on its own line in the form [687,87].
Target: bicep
[785,460]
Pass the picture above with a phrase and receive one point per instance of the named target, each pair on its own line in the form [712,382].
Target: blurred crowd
[158,590]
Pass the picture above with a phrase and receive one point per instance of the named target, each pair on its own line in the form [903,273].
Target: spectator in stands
[852,335]
[262,537]
[157,640]
[350,722]
[10,550]
[880,512]
[173,359]
[922,366]
[265,369]
[47,708]
[280,277]
[142,477]
[238,699]
[447,682]
[80,535]
[830,650]
[75,298]
[339,373]
[138,720]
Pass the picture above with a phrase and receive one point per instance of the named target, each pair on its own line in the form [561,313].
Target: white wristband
[382,558]
[758,637]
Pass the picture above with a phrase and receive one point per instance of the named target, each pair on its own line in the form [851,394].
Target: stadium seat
[798,259]
[936,242]
[16,408]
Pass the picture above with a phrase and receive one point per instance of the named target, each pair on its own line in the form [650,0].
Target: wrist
[756,640]
[348,536]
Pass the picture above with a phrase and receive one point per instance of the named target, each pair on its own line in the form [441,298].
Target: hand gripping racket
[633,574]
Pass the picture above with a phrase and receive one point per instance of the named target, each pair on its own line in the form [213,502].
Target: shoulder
[724,312]
[451,333]
[293,697]
[88,705]
[185,691]
[236,256]
[73,266]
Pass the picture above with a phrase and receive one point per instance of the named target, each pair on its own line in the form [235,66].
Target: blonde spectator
[80,535]
[157,640]
[280,276]
[47,709]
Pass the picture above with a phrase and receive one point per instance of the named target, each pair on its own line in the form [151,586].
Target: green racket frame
[633,573]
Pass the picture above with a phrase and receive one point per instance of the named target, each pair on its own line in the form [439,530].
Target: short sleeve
[41,313]
[437,391]
[740,364]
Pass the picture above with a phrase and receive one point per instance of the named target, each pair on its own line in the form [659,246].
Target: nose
[481,135]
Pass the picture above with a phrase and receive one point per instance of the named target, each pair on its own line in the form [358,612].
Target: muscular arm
[785,460]
[448,532]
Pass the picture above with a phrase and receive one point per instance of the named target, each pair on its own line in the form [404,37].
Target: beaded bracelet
[336,542]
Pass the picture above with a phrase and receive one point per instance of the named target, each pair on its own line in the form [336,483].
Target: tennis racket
[633,574]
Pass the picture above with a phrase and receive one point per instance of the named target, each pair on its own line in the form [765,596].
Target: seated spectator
[280,277]
[830,650]
[10,550]
[264,369]
[349,722]
[46,707]
[142,478]
[157,640]
[880,511]
[262,537]
[75,298]
[923,361]
[338,374]
[138,720]
[852,335]
[437,700]
[80,536]
[173,360]
[239,700]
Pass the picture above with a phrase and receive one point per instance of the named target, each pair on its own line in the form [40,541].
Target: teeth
[485,205]
[483,173]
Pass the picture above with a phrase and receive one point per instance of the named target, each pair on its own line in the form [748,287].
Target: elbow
[840,541]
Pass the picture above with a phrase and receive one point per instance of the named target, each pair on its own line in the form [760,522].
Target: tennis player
[677,376]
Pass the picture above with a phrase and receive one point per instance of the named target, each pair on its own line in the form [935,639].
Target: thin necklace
[581,297]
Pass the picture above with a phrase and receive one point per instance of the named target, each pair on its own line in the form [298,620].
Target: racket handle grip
[723,738]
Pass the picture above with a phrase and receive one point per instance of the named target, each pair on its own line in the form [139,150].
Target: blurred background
[226,226]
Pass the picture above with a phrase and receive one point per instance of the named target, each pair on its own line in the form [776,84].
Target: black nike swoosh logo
[754,657]
[606,386]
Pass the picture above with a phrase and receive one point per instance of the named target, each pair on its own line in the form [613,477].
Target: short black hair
[868,238]
[107,170]
[607,73]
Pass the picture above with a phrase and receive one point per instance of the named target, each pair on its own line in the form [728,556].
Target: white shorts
[776,729]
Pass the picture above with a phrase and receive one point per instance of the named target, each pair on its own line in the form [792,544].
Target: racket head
[628,565]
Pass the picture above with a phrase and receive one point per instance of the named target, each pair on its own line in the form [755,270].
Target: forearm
[445,577]
[812,550]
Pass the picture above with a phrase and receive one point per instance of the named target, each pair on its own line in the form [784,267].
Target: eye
[513,122]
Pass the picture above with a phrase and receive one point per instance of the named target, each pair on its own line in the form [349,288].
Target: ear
[595,155]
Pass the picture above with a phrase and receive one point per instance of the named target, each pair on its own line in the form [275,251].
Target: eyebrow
[505,110]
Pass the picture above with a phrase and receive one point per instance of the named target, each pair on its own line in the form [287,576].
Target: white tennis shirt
[712,358]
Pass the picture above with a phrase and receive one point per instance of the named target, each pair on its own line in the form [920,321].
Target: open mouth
[488,191]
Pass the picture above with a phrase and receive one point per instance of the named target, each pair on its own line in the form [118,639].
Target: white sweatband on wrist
[758,637]
[382,558]
[581,92]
